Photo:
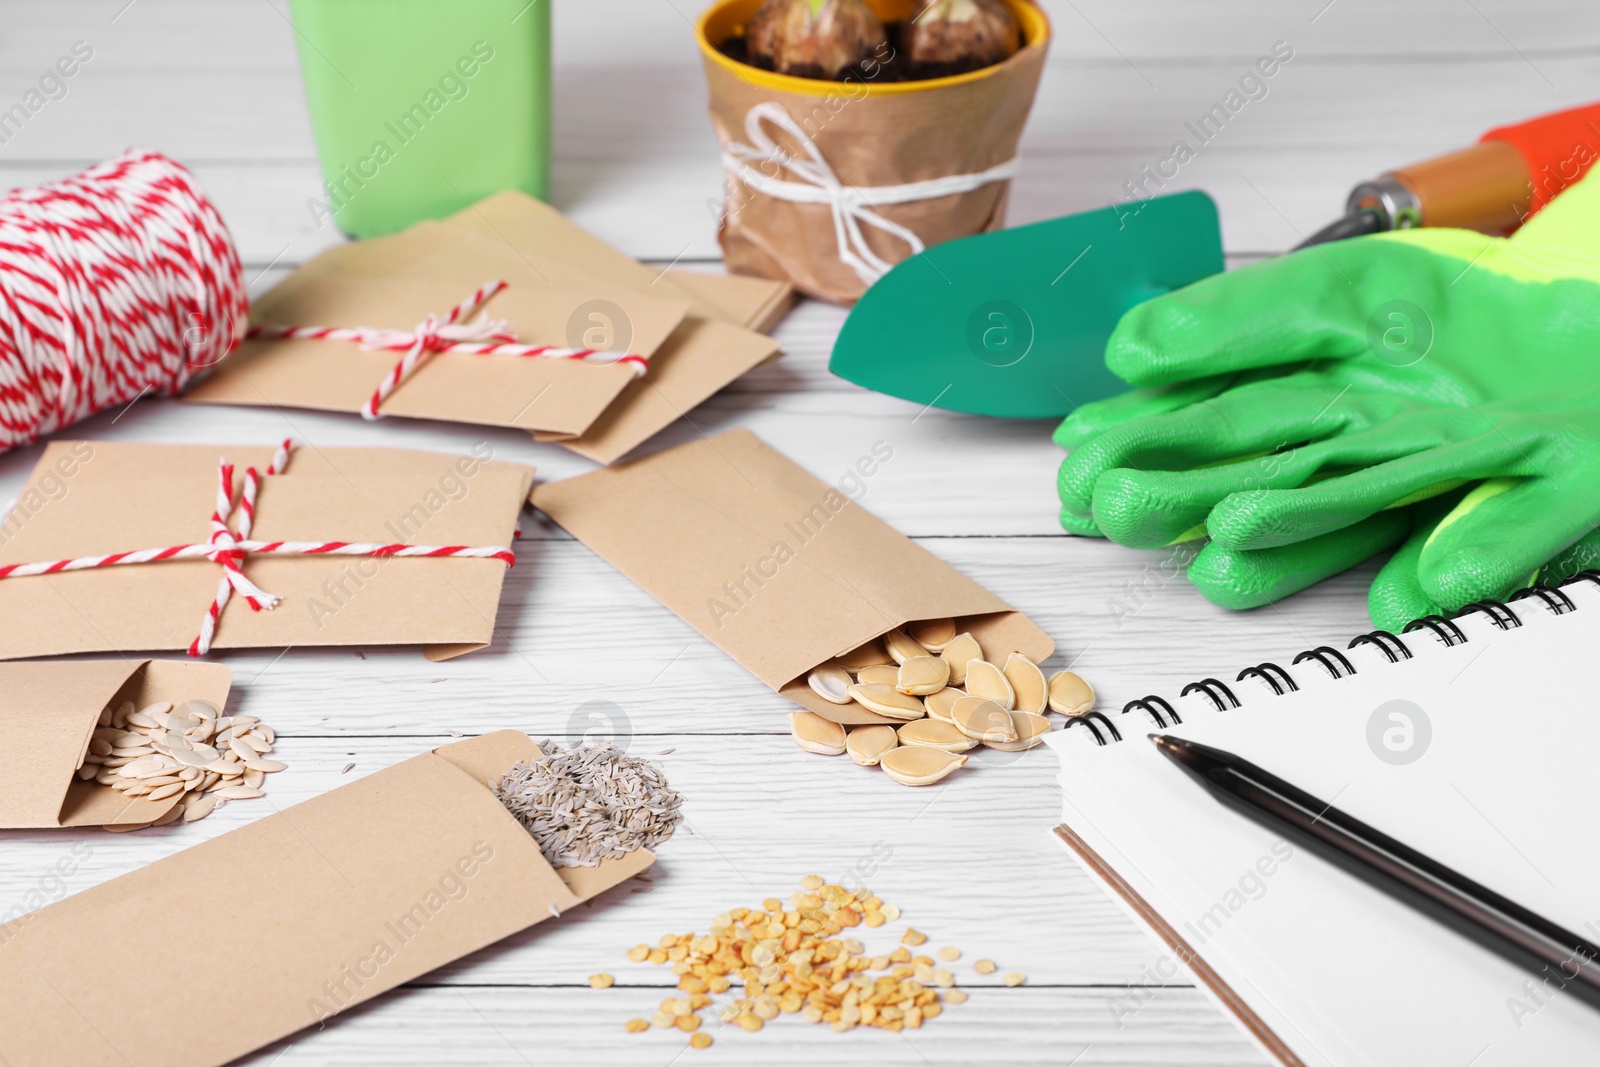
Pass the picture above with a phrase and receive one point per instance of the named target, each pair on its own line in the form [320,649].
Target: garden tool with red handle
[1015,323]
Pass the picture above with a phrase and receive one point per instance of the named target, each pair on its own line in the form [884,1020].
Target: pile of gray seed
[591,803]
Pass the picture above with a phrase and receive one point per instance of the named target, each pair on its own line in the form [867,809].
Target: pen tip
[1158,740]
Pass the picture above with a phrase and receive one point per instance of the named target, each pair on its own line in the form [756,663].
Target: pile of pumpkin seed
[191,751]
[946,696]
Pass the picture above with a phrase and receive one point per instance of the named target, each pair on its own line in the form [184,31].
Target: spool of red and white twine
[114,283]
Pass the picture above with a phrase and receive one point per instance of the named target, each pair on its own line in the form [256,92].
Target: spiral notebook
[1473,740]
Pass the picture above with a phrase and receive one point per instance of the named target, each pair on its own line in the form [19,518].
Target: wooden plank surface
[580,650]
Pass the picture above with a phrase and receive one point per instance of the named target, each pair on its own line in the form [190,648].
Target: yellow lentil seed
[600,981]
[1013,978]
[639,953]
[956,996]
[914,936]
[984,966]
[949,955]
[701,1040]
[688,1022]
[750,1022]
[636,1026]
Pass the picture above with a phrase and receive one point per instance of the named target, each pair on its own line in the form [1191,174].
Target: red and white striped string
[230,547]
[114,283]
[481,337]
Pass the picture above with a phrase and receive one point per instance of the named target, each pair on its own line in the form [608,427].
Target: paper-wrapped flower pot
[830,183]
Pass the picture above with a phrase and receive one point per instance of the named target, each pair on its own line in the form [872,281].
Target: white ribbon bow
[816,183]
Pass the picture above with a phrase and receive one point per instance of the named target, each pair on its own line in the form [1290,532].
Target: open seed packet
[777,568]
[49,712]
[129,547]
[334,901]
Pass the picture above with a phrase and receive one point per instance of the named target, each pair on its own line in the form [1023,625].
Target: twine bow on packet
[380,328]
[100,552]
[480,337]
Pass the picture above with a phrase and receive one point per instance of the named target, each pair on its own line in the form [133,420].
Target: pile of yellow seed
[791,961]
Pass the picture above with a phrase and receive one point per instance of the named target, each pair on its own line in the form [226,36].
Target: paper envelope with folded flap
[712,348]
[773,565]
[394,283]
[48,712]
[116,497]
[347,896]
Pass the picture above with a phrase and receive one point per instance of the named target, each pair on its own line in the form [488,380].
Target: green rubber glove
[1299,409]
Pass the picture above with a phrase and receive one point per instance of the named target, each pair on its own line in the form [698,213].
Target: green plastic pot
[420,107]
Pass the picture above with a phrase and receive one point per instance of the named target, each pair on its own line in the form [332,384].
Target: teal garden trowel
[1014,323]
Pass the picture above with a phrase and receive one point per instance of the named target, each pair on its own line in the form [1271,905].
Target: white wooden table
[1373,83]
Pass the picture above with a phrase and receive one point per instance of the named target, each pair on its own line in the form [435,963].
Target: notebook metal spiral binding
[1385,642]
[1498,613]
[1501,614]
[1214,689]
[1270,673]
[1443,628]
[1087,719]
[1149,706]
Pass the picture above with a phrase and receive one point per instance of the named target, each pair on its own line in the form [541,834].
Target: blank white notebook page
[1503,791]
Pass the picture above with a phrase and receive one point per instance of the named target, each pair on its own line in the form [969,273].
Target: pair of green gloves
[1432,392]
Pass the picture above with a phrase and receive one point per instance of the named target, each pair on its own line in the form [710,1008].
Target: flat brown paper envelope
[329,903]
[126,497]
[774,566]
[48,712]
[396,282]
[530,225]
[706,353]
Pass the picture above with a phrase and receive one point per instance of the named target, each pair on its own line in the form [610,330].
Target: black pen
[1470,908]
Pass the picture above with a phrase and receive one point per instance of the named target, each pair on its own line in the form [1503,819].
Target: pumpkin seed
[1027,683]
[887,700]
[199,807]
[1070,694]
[813,733]
[918,764]
[867,744]
[831,682]
[934,733]
[922,675]
[940,703]
[866,656]
[901,647]
[879,674]
[983,720]
[986,680]
[961,649]
[1030,730]
[932,634]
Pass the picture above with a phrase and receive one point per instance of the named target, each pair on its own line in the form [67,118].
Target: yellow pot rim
[1030,19]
